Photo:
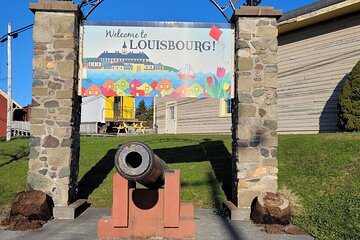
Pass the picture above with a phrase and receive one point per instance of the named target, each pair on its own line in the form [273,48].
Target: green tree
[349,102]
[141,111]
[144,113]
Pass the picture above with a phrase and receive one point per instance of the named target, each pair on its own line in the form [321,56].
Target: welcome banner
[157,59]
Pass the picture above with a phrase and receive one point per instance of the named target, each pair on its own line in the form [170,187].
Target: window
[225,107]
[228,105]
[172,112]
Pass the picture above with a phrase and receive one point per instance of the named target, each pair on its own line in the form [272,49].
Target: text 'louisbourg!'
[201,46]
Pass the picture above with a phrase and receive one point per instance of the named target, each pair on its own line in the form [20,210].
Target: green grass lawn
[323,170]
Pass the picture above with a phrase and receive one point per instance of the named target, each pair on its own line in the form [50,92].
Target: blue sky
[17,12]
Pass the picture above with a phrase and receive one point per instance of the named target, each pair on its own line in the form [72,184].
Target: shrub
[349,102]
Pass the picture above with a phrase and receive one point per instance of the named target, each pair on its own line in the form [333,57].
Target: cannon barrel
[136,161]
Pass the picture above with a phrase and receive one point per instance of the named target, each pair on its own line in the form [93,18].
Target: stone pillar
[55,115]
[254,126]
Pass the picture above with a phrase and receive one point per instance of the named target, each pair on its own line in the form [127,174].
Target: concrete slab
[210,225]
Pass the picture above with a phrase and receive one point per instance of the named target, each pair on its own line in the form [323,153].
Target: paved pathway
[210,225]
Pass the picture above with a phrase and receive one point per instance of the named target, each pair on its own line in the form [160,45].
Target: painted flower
[220,72]
[209,80]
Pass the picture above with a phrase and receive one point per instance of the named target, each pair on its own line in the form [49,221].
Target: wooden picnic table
[128,123]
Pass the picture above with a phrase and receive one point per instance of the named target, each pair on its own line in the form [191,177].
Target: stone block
[39,182]
[247,110]
[259,45]
[272,111]
[55,86]
[61,194]
[245,83]
[270,80]
[258,92]
[248,155]
[63,23]
[268,58]
[38,63]
[37,130]
[62,132]
[64,172]
[39,74]
[246,197]
[260,171]
[243,53]
[59,156]
[247,26]
[64,94]
[262,22]
[273,45]
[235,213]
[37,113]
[64,43]
[245,64]
[39,91]
[50,65]
[51,104]
[270,124]
[66,69]
[244,131]
[42,34]
[269,141]
[245,36]
[72,211]
[245,98]
[42,19]
[51,142]
[271,69]
[33,154]
[65,110]
[35,164]
[266,32]
[271,162]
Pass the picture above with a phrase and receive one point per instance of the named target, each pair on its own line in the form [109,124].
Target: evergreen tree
[141,111]
[144,113]
[349,102]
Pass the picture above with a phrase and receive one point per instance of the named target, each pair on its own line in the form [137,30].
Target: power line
[15,33]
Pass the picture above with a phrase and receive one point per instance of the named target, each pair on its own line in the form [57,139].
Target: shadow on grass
[20,153]
[96,175]
[213,151]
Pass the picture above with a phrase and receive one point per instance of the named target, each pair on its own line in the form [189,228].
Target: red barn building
[17,115]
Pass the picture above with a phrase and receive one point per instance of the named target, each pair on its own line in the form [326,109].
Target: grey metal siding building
[319,44]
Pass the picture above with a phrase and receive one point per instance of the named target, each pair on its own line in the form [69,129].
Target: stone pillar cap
[256,11]
[53,6]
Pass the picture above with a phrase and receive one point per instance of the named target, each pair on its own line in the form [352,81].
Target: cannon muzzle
[136,161]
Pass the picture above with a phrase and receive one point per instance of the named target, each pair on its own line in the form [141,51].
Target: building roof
[308,9]
[87,60]
[2,93]
[124,56]
[320,11]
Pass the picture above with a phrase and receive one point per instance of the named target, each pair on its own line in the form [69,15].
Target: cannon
[146,213]
[136,161]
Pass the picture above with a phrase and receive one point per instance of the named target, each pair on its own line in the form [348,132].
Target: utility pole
[9,99]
